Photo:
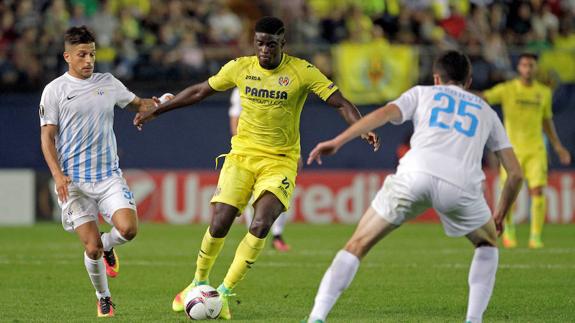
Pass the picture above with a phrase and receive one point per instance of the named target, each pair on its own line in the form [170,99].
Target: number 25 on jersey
[462,113]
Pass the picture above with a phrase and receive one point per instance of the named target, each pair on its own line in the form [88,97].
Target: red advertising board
[182,197]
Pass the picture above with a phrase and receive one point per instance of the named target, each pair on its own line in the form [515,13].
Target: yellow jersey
[272,101]
[524,109]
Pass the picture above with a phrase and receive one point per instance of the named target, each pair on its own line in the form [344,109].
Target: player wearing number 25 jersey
[442,170]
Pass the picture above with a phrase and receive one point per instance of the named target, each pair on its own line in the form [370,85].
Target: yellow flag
[374,72]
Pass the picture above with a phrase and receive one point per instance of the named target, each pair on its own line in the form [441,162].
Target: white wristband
[166,97]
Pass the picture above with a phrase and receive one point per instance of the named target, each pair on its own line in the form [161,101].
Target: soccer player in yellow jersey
[526,106]
[265,151]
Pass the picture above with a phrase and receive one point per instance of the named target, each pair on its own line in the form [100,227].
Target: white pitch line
[276,264]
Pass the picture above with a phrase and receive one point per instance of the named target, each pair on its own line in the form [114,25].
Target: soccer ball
[203,303]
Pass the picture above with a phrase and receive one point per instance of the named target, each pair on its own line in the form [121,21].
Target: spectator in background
[359,25]
[225,26]
[78,16]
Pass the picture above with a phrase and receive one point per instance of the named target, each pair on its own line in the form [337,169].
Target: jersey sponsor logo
[253,78]
[265,93]
[527,102]
[41,111]
[71,97]
[283,81]
[284,187]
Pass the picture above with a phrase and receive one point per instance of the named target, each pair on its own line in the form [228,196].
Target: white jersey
[235,104]
[451,129]
[83,110]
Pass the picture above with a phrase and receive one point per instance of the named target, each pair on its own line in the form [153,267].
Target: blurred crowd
[189,39]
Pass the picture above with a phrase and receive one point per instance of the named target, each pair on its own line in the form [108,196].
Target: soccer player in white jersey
[79,145]
[442,170]
[279,225]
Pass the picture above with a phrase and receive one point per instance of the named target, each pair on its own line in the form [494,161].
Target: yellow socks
[247,253]
[509,229]
[209,251]
[537,215]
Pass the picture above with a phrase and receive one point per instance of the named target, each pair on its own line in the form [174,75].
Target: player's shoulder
[99,77]
[243,60]
[542,87]
[56,83]
[299,63]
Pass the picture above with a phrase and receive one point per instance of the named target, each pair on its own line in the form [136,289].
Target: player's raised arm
[375,119]
[351,115]
[189,96]
[511,187]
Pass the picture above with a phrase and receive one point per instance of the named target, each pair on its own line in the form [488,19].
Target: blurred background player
[265,152]
[441,170]
[278,227]
[79,145]
[527,113]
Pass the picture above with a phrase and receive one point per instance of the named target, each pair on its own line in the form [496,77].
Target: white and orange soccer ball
[203,303]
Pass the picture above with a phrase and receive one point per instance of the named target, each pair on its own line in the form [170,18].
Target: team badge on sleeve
[41,111]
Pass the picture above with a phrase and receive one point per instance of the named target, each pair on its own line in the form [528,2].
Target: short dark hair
[79,35]
[528,55]
[453,66]
[270,25]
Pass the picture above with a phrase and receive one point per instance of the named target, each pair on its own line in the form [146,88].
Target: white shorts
[404,196]
[86,200]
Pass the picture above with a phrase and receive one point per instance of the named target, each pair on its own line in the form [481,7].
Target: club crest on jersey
[100,92]
[283,81]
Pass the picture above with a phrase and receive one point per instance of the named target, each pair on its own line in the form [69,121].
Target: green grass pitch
[415,275]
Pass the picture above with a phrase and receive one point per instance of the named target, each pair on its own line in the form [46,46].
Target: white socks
[335,280]
[481,281]
[279,225]
[112,239]
[97,272]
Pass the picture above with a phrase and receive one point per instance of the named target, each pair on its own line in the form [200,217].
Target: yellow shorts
[534,167]
[244,175]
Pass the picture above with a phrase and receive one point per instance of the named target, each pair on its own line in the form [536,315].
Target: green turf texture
[414,275]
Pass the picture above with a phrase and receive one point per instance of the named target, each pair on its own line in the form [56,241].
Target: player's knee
[218,229]
[537,191]
[487,242]
[128,232]
[260,227]
[94,250]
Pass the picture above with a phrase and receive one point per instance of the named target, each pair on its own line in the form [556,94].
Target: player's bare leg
[538,207]
[125,229]
[212,243]
[90,237]
[482,270]
[509,237]
[267,208]
[370,230]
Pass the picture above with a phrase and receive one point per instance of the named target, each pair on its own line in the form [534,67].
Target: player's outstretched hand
[327,148]
[143,117]
[149,110]
[62,182]
[373,139]
[564,156]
